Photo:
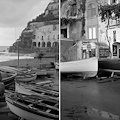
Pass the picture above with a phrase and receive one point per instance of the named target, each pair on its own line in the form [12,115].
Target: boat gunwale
[25,107]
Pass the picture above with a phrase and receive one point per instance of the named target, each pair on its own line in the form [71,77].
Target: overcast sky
[14,15]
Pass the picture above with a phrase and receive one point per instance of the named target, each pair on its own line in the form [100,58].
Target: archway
[48,44]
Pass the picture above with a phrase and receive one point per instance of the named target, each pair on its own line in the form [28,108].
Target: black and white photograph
[59,59]
[29,59]
[90,59]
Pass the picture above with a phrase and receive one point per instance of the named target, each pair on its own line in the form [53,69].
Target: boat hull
[25,114]
[31,90]
[32,107]
[26,79]
[83,68]
[109,65]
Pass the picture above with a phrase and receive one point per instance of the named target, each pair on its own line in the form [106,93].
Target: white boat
[32,89]
[26,77]
[32,107]
[84,68]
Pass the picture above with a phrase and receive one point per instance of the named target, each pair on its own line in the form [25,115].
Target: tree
[108,12]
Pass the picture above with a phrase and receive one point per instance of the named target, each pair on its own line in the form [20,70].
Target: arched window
[55,44]
[34,43]
[38,44]
[49,44]
[91,10]
[43,44]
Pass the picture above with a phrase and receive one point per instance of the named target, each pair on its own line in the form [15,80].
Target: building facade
[46,33]
[46,36]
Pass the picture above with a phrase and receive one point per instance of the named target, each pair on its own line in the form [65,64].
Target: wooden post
[18,55]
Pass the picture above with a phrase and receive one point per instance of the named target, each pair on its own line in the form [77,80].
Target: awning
[93,45]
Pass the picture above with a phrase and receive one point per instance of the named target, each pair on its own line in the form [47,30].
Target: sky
[14,16]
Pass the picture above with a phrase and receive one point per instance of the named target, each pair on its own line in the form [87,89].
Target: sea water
[5,56]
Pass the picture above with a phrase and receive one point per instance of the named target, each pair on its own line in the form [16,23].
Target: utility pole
[18,50]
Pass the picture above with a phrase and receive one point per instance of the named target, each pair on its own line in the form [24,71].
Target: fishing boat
[34,89]
[8,78]
[7,75]
[32,107]
[26,77]
[109,66]
[7,69]
[84,68]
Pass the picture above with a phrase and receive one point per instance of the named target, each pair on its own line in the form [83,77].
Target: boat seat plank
[48,110]
[32,102]
[40,100]
[56,105]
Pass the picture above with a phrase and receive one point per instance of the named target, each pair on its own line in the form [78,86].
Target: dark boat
[109,66]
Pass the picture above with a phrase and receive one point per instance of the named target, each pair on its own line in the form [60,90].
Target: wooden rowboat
[31,107]
[26,77]
[29,89]
[8,78]
[7,75]
[84,68]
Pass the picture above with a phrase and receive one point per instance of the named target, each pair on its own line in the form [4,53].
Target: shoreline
[31,62]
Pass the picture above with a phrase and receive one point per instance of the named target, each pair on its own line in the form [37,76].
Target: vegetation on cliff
[25,40]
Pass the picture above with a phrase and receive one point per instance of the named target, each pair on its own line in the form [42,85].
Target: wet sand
[77,95]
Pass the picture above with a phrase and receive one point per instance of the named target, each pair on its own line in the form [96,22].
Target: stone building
[46,33]
[91,43]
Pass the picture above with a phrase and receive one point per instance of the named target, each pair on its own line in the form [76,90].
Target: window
[91,10]
[42,38]
[55,44]
[73,10]
[114,36]
[43,44]
[113,1]
[92,33]
[58,36]
[34,43]
[38,44]
[49,44]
